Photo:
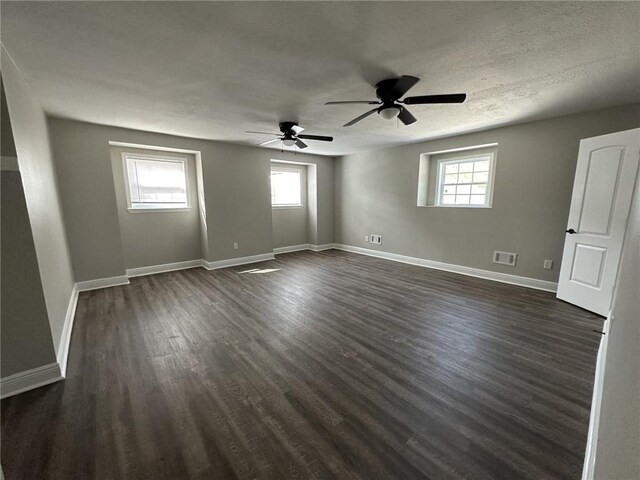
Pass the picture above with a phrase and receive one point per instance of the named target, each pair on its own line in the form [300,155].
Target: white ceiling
[214,70]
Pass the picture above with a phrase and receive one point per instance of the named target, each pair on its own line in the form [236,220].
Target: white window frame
[158,208]
[297,170]
[488,200]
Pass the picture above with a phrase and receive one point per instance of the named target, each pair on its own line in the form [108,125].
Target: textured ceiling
[214,70]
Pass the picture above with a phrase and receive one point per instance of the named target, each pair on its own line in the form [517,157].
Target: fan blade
[269,141]
[317,137]
[403,85]
[296,129]
[365,102]
[429,99]
[300,144]
[361,117]
[406,117]
[265,133]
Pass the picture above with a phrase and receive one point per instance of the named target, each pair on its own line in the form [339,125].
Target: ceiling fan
[390,106]
[291,134]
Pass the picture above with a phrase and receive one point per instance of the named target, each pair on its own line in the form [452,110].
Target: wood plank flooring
[331,365]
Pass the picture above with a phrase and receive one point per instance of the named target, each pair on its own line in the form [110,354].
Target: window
[286,187]
[156,183]
[465,182]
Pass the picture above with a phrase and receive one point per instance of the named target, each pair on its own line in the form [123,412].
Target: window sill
[159,210]
[285,207]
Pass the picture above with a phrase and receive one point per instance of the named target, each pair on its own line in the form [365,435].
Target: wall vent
[505,258]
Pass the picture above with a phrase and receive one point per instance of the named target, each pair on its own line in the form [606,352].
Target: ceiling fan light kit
[389,113]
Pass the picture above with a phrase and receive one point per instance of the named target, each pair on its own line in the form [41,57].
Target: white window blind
[156,183]
[285,187]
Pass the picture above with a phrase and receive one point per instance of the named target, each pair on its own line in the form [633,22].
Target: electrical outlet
[235,245]
[548,264]
[366,238]
[376,239]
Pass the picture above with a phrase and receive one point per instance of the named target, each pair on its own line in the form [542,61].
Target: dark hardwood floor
[331,365]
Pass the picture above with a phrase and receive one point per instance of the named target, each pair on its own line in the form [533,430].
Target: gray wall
[290,224]
[618,441]
[88,198]
[25,332]
[156,238]
[324,173]
[236,184]
[32,144]
[376,192]
[7,145]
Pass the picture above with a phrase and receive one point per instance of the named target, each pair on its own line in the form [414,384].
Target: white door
[602,191]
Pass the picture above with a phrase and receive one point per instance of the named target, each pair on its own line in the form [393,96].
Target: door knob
[571,231]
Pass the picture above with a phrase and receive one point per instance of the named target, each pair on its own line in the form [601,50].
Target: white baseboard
[65,338]
[320,248]
[102,283]
[167,267]
[472,272]
[304,246]
[232,262]
[588,470]
[29,379]
[292,248]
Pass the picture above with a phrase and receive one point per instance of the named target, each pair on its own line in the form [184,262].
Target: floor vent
[505,258]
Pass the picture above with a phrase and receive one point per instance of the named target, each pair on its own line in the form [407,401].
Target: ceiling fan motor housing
[285,127]
[384,90]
